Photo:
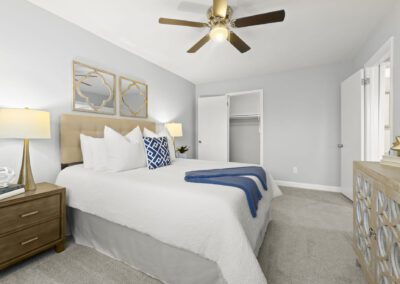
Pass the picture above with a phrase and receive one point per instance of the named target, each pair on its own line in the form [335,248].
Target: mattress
[211,221]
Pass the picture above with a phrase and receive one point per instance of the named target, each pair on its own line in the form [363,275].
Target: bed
[153,220]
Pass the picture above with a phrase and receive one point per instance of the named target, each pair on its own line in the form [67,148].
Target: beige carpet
[308,241]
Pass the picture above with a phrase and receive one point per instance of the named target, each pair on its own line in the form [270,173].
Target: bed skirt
[164,262]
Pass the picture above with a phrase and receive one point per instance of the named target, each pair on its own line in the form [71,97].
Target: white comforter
[210,220]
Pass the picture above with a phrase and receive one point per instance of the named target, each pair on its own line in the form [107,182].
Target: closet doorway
[230,127]
[245,127]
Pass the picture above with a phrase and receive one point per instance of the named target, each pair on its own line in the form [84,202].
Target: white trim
[260,92]
[309,186]
[384,52]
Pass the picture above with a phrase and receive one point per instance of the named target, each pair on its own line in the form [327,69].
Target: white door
[212,127]
[352,122]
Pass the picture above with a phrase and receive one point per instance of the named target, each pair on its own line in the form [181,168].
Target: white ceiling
[315,32]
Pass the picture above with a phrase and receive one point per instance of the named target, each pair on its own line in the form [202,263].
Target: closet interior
[245,127]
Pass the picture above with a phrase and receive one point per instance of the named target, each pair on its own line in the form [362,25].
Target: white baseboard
[308,186]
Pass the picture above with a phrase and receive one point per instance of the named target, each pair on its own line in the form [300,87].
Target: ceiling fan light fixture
[219,33]
[221,25]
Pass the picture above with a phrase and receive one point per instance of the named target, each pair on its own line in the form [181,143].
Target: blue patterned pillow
[157,152]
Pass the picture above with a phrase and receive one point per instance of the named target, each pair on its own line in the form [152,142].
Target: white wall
[301,120]
[390,27]
[36,53]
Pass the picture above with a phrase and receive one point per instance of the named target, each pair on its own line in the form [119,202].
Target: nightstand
[32,222]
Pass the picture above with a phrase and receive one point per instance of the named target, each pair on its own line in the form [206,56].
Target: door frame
[260,92]
[384,52]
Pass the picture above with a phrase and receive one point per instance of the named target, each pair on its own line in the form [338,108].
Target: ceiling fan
[220,24]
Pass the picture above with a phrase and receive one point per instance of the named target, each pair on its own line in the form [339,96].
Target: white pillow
[163,133]
[86,151]
[124,152]
[99,153]
[93,152]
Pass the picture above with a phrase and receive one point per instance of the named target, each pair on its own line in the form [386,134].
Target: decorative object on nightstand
[181,151]
[175,130]
[396,146]
[6,176]
[25,124]
[11,190]
[392,160]
[31,223]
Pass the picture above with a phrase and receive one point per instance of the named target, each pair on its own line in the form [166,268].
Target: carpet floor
[308,241]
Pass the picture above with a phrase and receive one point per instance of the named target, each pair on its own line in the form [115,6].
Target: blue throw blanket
[234,177]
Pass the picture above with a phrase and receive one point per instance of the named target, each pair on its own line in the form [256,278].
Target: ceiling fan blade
[261,19]
[199,44]
[175,22]
[220,7]
[238,42]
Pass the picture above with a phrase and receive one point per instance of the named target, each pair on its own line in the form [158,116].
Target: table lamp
[175,130]
[25,124]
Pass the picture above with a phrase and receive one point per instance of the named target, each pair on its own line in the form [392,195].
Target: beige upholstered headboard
[71,126]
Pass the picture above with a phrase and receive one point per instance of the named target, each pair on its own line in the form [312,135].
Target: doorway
[246,127]
[367,114]
[230,127]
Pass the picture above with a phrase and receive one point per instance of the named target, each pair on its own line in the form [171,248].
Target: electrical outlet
[295,170]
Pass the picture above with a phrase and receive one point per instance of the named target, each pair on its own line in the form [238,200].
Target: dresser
[31,223]
[376,222]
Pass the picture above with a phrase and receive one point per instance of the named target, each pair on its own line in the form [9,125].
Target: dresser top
[381,172]
[42,189]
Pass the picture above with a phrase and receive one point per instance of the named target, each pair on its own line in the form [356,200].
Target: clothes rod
[245,116]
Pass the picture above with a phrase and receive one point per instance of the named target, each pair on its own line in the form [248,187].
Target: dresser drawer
[21,242]
[24,214]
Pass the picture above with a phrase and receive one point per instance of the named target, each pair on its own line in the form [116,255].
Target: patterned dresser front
[376,236]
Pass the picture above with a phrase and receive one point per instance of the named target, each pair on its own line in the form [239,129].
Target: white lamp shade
[174,129]
[24,124]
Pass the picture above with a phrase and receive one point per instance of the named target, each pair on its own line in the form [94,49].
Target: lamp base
[25,175]
[173,140]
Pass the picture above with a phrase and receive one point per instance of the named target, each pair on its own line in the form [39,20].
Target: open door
[213,132]
[352,122]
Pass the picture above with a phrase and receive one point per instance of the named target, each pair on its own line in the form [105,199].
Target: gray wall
[301,120]
[389,27]
[36,53]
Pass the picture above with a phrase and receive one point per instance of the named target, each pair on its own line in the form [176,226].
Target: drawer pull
[29,241]
[29,214]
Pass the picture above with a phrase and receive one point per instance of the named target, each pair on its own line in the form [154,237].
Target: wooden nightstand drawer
[22,242]
[31,222]
[27,213]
